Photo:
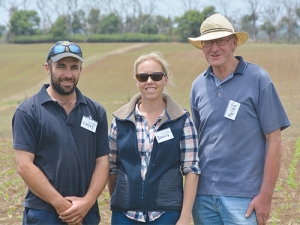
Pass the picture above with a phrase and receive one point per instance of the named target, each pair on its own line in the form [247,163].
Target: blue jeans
[168,218]
[222,210]
[41,217]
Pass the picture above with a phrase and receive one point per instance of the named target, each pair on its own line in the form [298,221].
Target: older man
[239,119]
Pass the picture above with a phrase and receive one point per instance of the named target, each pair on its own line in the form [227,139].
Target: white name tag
[88,123]
[164,135]
[232,109]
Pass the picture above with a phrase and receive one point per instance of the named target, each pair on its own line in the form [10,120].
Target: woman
[153,142]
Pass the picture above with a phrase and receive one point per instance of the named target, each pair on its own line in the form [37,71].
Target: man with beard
[61,145]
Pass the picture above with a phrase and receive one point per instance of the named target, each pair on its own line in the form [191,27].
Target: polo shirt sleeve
[102,136]
[271,113]
[194,109]
[23,131]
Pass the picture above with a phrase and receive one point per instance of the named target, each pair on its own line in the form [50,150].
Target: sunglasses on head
[61,48]
[156,76]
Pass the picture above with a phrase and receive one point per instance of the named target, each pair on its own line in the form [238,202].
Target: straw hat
[214,27]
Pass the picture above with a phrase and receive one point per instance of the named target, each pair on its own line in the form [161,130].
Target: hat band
[216,30]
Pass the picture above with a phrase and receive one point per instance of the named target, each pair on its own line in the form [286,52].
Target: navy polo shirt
[64,150]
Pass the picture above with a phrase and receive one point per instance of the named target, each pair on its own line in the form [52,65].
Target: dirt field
[106,70]
[285,207]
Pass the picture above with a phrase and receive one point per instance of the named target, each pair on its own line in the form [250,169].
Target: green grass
[292,169]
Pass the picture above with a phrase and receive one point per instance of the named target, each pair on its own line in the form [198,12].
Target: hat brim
[242,37]
[64,55]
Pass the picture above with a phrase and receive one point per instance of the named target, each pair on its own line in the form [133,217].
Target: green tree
[24,22]
[298,12]
[2,30]
[164,25]
[131,25]
[247,24]
[78,21]
[93,21]
[254,15]
[289,22]
[59,29]
[290,26]
[270,19]
[147,24]
[109,24]
[270,29]
[189,24]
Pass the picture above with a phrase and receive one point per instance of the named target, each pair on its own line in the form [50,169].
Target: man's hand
[76,213]
[262,202]
[262,206]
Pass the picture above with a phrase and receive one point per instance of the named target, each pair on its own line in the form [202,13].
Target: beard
[55,83]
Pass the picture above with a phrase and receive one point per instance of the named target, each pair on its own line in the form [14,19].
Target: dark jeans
[168,218]
[41,217]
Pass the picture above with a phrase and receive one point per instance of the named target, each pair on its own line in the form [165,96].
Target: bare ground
[285,206]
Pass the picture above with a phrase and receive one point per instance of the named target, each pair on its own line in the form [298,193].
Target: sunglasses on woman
[156,76]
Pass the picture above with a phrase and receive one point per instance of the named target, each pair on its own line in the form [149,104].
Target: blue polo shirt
[65,150]
[232,150]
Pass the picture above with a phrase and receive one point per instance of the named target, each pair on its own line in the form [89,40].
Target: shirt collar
[240,69]
[138,112]
[45,97]
[218,81]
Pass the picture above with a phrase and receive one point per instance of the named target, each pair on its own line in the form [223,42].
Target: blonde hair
[156,56]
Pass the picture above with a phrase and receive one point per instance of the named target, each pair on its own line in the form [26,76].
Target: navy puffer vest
[162,189]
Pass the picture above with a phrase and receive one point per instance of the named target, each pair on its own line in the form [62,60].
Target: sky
[167,8]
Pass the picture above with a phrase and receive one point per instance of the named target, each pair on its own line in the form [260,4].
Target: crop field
[107,77]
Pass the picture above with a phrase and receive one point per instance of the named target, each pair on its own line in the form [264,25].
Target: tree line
[130,20]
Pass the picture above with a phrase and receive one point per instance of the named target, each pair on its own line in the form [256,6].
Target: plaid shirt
[145,139]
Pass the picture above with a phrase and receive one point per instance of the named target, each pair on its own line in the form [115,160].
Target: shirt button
[220,86]
[219,94]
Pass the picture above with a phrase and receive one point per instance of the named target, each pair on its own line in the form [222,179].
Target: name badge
[164,135]
[88,123]
[232,109]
